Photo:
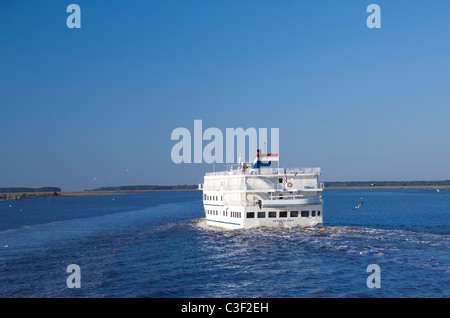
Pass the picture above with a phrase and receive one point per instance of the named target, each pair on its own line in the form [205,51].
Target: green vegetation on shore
[19,193]
[356,184]
[22,190]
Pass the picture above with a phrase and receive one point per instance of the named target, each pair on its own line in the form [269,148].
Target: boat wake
[353,240]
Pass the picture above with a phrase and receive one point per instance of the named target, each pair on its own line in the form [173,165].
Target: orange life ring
[289,184]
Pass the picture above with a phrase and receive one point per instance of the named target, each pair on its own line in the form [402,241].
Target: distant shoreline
[388,187]
[34,195]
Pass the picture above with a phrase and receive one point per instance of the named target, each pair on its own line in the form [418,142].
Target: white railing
[266,171]
[292,201]
[279,196]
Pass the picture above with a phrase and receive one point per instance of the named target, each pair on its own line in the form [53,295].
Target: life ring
[280,223]
[289,184]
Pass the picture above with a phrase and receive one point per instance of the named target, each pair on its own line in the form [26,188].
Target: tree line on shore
[327,184]
[23,189]
[337,184]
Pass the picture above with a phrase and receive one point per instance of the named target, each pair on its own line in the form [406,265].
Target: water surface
[157,245]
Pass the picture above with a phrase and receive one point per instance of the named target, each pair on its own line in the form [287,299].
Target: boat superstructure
[250,195]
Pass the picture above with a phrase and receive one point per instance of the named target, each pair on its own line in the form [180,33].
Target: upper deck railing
[266,172]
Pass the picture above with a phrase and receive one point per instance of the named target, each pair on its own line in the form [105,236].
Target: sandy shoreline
[119,192]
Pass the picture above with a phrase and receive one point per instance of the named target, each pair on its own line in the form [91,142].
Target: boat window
[280,180]
[250,215]
[272,214]
[283,214]
[261,215]
[313,213]
[294,214]
[318,213]
[305,214]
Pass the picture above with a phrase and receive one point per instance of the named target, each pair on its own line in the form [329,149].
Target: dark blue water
[157,245]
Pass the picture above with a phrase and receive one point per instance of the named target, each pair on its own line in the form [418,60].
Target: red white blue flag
[264,160]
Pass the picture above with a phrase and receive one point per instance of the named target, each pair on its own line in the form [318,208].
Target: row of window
[282,214]
[262,215]
[224,213]
[212,212]
[207,197]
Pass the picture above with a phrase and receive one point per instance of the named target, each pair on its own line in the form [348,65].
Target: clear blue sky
[101,101]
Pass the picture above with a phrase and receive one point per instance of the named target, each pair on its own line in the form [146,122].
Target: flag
[269,157]
[264,160]
[285,177]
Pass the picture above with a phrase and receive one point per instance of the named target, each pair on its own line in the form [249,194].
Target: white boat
[249,195]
